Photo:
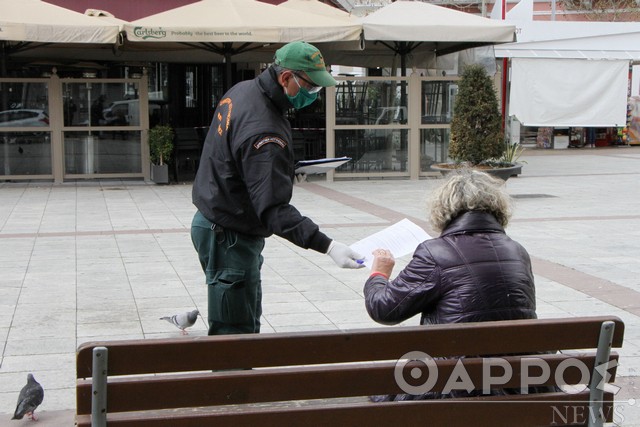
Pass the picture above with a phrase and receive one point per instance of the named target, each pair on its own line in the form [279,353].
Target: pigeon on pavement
[29,399]
[183,320]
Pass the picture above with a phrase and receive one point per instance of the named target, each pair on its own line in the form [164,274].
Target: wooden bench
[324,378]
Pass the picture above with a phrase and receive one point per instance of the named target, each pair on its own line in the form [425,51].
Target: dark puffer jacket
[472,273]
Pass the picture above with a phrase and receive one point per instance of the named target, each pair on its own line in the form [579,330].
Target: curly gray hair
[469,190]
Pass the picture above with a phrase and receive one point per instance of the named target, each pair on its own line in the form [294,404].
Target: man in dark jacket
[245,182]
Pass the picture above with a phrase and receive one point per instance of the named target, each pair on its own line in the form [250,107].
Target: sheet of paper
[320,165]
[401,239]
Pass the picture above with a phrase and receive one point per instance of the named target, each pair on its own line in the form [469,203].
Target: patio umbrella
[233,27]
[30,24]
[333,52]
[318,8]
[424,31]
[38,21]
[421,31]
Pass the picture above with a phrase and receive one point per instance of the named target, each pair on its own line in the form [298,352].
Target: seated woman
[472,272]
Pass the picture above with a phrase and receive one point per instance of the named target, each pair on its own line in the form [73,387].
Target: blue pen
[360,261]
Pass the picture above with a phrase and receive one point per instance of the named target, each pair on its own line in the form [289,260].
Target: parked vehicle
[125,113]
[23,118]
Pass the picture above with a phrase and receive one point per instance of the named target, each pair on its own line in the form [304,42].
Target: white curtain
[569,92]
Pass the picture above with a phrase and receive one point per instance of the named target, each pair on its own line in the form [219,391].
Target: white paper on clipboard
[401,239]
[320,165]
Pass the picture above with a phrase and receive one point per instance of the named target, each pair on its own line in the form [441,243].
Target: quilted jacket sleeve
[415,290]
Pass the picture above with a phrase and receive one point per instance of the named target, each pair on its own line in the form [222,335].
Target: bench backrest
[347,364]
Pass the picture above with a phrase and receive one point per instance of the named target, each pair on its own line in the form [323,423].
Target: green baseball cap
[302,56]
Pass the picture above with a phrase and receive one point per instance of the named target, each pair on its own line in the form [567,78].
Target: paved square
[104,260]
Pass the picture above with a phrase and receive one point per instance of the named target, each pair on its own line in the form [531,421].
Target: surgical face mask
[302,98]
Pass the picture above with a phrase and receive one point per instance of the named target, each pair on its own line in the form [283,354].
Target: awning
[580,40]
[416,32]
[239,21]
[569,92]
[38,21]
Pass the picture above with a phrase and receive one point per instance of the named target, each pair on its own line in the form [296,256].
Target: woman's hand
[383,262]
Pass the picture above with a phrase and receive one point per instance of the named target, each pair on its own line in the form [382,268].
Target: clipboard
[320,165]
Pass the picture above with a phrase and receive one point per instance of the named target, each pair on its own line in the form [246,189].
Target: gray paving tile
[87,316]
[34,346]
[281,322]
[284,297]
[165,303]
[270,308]
[306,328]
[341,305]
[357,315]
[108,329]
[39,362]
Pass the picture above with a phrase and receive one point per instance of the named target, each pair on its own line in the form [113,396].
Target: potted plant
[476,135]
[160,149]
[510,158]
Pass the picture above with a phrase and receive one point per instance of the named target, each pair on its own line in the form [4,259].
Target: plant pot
[499,172]
[160,174]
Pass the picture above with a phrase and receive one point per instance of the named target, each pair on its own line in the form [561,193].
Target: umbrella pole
[228,70]
[4,102]
[4,52]
[403,73]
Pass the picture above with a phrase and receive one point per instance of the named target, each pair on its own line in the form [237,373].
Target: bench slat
[320,382]
[551,409]
[265,350]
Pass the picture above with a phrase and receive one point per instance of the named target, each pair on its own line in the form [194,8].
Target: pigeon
[29,399]
[183,320]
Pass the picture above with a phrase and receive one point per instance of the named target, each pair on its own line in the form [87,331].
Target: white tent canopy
[569,92]
[571,73]
[39,21]
[587,40]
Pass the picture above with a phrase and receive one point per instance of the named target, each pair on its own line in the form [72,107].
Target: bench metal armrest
[99,387]
[599,376]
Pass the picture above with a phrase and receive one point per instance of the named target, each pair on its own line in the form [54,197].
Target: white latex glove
[299,178]
[344,256]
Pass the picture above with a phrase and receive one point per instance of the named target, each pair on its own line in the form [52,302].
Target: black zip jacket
[245,177]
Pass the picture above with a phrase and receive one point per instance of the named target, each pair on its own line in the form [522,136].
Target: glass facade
[383,150]
[25,153]
[102,122]
[98,104]
[371,102]
[25,137]
[380,106]
[95,127]
[379,119]
[437,101]
[434,146]
[109,152]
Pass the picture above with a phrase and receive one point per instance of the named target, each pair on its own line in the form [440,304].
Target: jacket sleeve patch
[227,112]
[269,139]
